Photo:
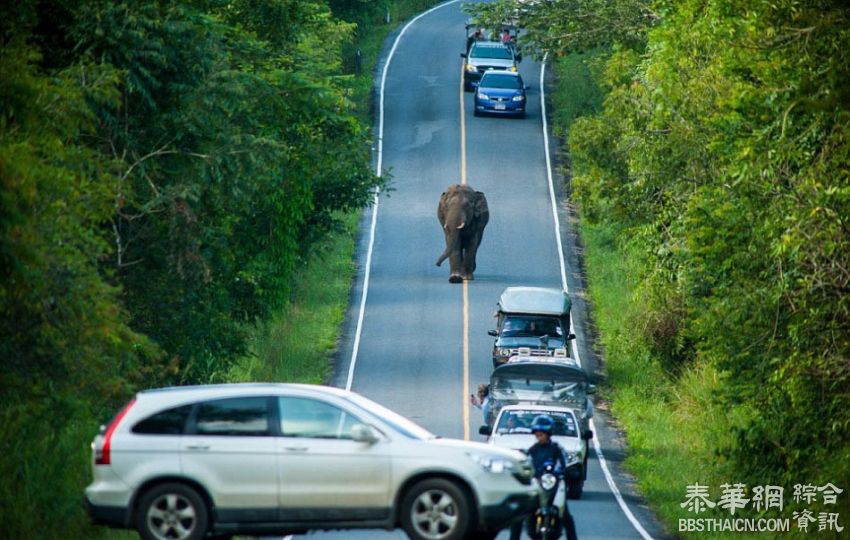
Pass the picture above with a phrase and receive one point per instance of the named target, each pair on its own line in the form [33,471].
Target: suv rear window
[242,417]
[168,422]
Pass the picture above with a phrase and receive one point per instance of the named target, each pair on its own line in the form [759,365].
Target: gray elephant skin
[463,214]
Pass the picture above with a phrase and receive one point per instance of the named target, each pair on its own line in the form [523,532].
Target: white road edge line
[378,170]
[604,464]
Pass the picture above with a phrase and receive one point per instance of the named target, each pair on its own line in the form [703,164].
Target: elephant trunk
[443,257]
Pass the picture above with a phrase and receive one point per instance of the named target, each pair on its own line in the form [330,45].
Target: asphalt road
[411,347]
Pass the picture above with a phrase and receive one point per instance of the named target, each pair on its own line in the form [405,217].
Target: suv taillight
[102,455]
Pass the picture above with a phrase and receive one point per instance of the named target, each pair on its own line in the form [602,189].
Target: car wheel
[436,509]
[575,487]
[172,512]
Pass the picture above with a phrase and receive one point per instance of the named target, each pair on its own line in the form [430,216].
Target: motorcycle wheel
[533,526]
[554,531]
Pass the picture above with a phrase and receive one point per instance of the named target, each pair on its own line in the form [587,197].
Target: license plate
[500,107]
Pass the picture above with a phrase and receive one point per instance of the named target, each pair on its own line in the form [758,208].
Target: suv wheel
[172,512]
[435,509]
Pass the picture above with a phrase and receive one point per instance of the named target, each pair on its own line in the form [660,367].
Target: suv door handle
[198,446]
[295,448]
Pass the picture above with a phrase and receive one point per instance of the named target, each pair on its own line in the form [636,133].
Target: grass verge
[296,344]
[673,425]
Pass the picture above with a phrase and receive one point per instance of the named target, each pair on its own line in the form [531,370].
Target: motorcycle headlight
[548,481]
[519,97]
[493,464]
[483,96]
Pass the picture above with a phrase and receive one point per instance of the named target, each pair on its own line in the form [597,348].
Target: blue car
[500,92]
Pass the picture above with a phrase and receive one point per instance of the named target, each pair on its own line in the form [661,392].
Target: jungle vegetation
[708,147]
[167,169]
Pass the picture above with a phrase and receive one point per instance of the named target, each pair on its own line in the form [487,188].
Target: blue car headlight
[483,96]
[519,97]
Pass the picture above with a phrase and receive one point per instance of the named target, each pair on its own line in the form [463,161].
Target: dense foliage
[722,153]
[165,167]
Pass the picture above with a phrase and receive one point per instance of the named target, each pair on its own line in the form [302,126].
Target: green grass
[296,345]
[673,425]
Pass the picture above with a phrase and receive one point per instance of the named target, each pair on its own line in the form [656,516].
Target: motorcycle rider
[545,449]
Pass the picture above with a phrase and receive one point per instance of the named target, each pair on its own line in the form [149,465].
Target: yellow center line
[465,390]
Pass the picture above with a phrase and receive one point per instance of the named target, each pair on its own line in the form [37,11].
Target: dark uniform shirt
[541,453]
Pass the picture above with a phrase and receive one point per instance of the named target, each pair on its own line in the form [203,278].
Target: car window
[305,417]
[531,326]
[398,422]
[520,422]
[168,422]
[494,80]
[501,53]
[234,417]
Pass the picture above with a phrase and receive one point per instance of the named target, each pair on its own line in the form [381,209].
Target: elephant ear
[441,209]
[482,211]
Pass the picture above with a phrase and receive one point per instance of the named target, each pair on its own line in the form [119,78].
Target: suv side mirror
[591,388]
[363,433]
[492,333]
[570,337]
[587,435]
[485,430]
[463,55]
[519,58]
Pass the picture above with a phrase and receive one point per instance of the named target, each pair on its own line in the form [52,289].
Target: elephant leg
[478,238]
[456,266]
[469,255]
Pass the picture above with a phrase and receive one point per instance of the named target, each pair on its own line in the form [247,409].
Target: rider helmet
[543,423]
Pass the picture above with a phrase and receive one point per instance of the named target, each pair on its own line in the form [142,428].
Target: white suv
[191,462]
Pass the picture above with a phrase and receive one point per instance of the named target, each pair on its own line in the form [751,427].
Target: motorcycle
[545,522]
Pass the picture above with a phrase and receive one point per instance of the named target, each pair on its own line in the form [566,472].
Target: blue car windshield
[502,53]
[493,80]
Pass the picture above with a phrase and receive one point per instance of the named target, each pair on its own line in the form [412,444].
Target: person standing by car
[545,449]
[482,401]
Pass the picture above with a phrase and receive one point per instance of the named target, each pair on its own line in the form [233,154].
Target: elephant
[463,214]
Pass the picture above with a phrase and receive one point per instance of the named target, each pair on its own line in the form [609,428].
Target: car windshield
[493,80]
[529,389]
[531,326]
[399,423]
[501,53]
[519,422]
